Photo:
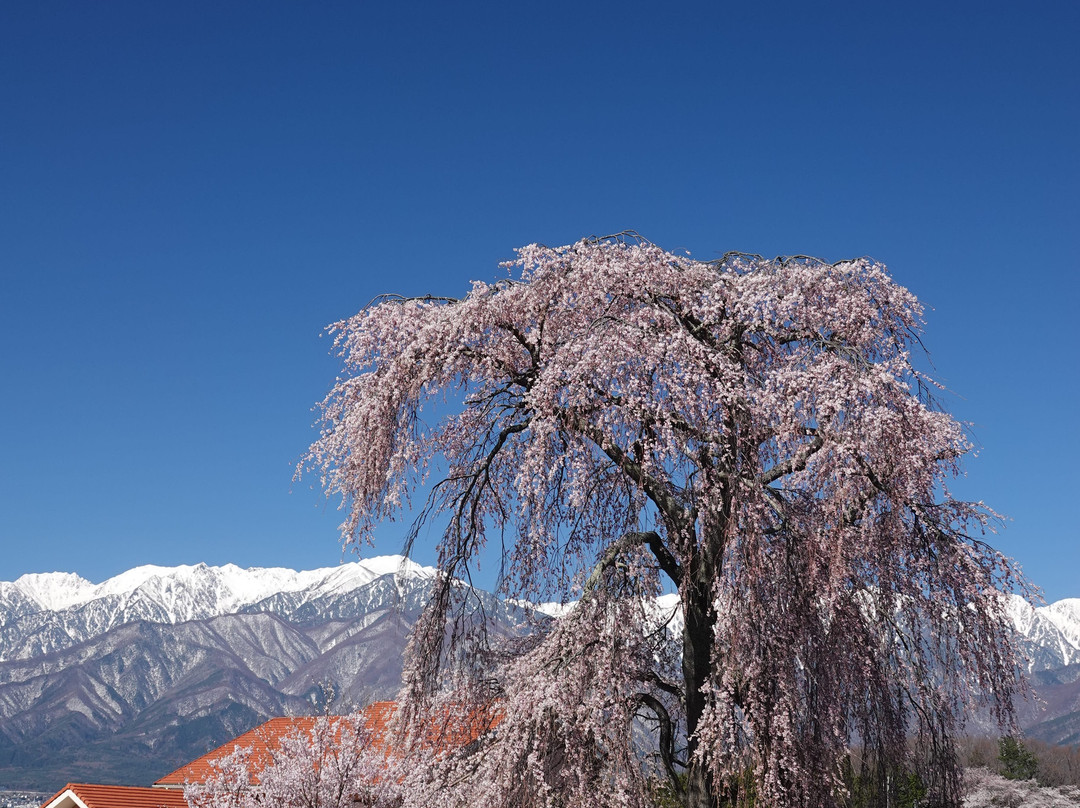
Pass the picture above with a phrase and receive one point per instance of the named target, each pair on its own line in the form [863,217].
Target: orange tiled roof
[260,740]
[449,729]
[452,732]
[89,795]
[265,738]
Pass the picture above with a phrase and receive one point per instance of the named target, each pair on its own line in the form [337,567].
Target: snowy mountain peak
[1065,614]
[54,590]
[1052,632]
[217,590]
[1020,612]
[46,612]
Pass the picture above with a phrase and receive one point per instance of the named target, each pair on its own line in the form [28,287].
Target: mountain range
[124,680]
[121,681]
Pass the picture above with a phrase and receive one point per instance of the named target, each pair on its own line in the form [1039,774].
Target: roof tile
[98,796]
[451,732]
[267,737]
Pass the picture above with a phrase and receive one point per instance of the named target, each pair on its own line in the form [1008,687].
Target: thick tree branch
[653,487]
[688,322]
[793,464]
[653,678]
[627,542]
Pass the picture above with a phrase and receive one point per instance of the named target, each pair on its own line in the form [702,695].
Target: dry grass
[1058,765]
[985,789]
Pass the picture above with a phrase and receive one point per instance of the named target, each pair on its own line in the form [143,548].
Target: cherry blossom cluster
[335,762]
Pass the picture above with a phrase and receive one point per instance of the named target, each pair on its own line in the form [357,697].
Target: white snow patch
[54,590]
[230,587]
[1065,614]
[551,608]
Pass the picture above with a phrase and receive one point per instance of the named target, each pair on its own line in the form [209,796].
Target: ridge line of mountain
[55,591]
[40,612]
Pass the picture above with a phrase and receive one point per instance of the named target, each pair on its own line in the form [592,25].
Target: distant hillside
[126,680]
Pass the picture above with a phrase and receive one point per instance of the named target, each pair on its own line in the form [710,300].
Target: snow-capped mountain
[46,612]
[184,590]
[1050,634]
[121,679]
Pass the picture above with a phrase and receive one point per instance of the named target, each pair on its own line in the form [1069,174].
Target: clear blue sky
[190,192]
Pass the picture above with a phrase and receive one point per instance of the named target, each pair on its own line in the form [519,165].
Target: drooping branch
[667,736]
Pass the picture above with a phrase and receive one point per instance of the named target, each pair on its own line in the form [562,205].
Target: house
[260,740]
[89,795]
[265,738]
[168,791]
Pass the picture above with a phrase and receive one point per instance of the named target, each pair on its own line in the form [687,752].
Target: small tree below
[322,762]
[1017,762]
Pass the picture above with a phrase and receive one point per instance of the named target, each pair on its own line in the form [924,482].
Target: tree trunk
[698,623]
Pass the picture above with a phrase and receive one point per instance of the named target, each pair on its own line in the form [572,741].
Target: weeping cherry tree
[612,421]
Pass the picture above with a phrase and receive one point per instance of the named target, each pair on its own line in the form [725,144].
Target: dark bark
[699,619]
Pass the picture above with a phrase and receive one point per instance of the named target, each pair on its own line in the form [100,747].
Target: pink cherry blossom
[614,421]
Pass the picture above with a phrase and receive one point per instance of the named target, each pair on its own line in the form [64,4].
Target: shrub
[1017,763]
